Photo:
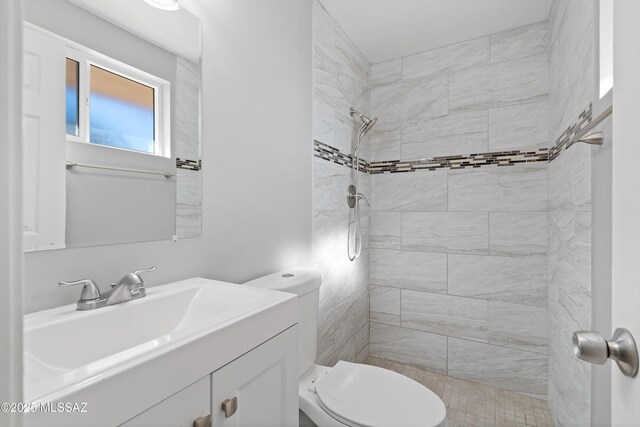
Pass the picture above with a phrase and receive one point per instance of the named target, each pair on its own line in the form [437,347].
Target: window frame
[86,57]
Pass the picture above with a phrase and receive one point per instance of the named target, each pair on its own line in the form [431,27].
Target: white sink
[68,350]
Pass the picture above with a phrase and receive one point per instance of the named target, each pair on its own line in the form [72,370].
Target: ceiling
[387,29]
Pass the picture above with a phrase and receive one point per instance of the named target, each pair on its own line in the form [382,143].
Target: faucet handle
[90,291]
[145,270]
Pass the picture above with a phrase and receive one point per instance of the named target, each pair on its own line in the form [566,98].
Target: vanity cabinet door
[179,410]
[259,389]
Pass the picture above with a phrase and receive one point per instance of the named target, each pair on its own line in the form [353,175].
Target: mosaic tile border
[332,154]
[564,141]
[463,161]
[192,165]
[499,158]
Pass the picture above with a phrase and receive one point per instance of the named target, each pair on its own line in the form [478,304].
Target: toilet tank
[304,282]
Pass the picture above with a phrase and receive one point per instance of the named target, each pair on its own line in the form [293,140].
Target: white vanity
[187,351]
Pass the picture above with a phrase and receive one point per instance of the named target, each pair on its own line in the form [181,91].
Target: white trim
[11,256]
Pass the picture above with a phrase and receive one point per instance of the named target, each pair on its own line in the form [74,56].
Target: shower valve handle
[362,196]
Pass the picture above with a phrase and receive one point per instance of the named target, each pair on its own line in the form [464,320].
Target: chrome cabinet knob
[593,348]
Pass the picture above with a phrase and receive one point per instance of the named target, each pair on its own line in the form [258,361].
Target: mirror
[111,117]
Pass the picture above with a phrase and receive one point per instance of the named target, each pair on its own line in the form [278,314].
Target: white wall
[11,207]
[257,151]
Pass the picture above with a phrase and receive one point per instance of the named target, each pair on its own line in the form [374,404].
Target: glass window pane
[72,97]
[121,112]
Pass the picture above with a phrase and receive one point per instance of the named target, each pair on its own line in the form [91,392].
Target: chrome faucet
[130,287]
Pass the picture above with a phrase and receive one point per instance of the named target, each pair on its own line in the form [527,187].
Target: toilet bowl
[349,394]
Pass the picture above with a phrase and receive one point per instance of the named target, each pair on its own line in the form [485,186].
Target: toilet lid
[368,396]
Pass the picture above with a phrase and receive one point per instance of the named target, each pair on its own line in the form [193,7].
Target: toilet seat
[367,396]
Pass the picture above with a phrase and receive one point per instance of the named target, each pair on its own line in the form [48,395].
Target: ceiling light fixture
[164,4]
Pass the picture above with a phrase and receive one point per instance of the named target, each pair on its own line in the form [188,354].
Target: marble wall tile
[340,80]
[494,188]
[347,353]
[323,117]
[517,233]
[572,64]
[386,72]
[409,270]
[515,370]
[448,315]
[570,180]
[518,326]
[323,27]
[343,134]
[519,127]
[326,346]
[454,57]
[408,346]
[187,140]
[325,83]
[572,88]
[385,145]
[330,181]
[329,234]
[521,80]
[362,343]
[188,72]
[452,232]
[462,133]
[570,262]
[352,281]
[401,101]
[425,97]
[356,316]
[187,103]
[350,56]
[409,191]
[188,203]
[385,305]
[521,280]
[520,42]
[387,103]
[385,232]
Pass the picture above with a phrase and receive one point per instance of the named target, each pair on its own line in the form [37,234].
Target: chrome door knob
[593,348]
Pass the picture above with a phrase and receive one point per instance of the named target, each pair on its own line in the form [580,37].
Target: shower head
[367,123]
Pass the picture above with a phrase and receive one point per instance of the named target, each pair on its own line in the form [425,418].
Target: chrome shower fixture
[354,235]
[367,124]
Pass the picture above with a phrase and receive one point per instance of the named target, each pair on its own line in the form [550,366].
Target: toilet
[349,394]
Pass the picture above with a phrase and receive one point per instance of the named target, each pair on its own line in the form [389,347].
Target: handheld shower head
[367,123]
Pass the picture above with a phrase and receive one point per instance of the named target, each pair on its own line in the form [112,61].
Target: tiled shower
[478,244]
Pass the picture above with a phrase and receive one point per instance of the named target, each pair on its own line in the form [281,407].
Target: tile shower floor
[473,404]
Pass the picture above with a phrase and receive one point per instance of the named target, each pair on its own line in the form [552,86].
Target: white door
[259,389]
[625,391]
[44,195]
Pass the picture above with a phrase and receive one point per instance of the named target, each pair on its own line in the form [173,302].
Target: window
[606,46]
[122,112]
[114,105]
